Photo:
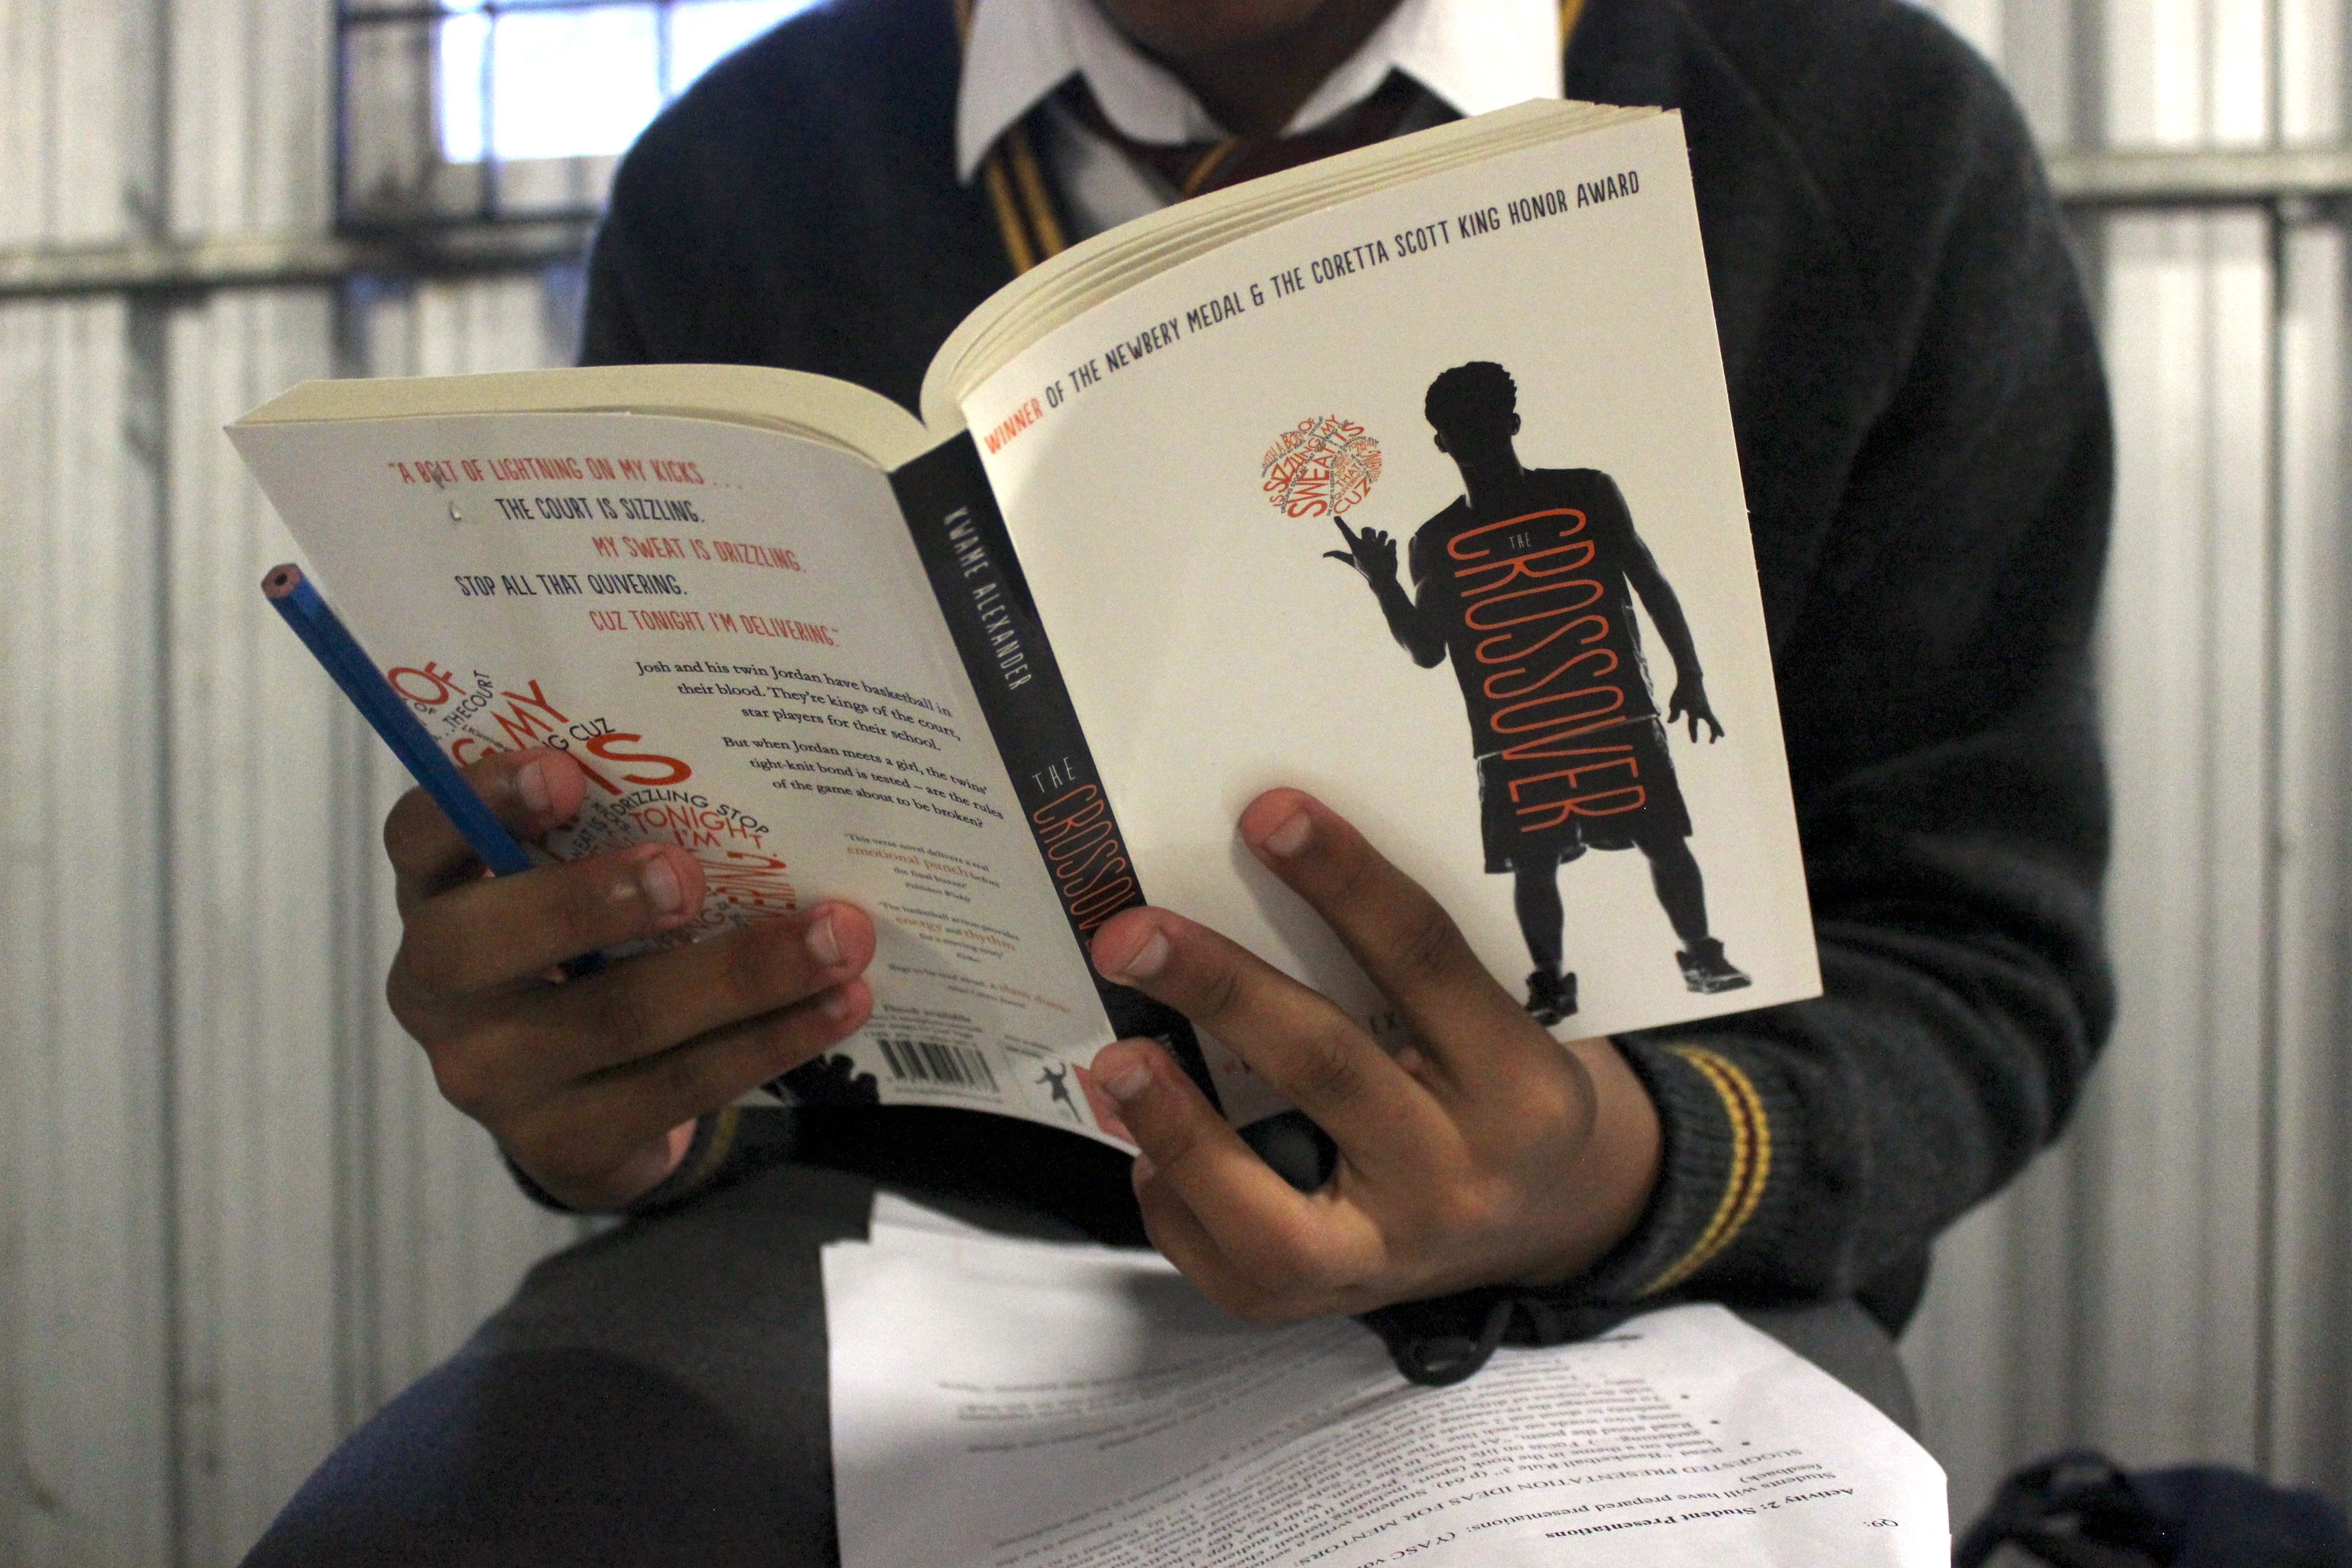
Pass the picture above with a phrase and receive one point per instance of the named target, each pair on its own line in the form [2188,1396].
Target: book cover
[1430,505]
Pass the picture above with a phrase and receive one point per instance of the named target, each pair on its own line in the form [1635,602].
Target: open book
[1176,527]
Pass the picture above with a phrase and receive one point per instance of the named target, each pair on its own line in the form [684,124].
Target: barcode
[927,1061]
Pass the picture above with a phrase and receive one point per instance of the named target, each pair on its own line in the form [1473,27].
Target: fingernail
[820,942]
[1145,961]
[835,1004]
[1123,1084]
[530,787]
[1290,837]
[659,881]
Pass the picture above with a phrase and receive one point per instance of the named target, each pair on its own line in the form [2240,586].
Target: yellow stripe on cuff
[1751,1165]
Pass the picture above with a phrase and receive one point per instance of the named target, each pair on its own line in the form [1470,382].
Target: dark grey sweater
[1923,434]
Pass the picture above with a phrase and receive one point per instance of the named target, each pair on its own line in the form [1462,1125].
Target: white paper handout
[1033,1404]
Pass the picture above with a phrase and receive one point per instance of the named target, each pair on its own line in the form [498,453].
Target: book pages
[1187,471]
[814,407]
[1096,269]
[1029,1405]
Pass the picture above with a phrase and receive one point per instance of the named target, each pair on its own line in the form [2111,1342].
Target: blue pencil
[323,633]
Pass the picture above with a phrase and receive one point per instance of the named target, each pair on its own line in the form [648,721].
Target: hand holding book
[591,1084]
[795,642]
[1484,1155]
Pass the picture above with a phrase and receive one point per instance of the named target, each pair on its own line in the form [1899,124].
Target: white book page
[731,630]
[1024,1405]
[1211,650]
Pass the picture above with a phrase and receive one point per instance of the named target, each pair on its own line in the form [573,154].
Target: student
[1925,444]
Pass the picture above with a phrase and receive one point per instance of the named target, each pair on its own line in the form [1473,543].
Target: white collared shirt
[1471,55]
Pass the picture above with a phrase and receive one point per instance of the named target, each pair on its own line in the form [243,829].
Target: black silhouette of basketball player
[1060,1077]
[1527,582]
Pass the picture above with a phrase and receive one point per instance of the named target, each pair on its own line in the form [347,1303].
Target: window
[469,111]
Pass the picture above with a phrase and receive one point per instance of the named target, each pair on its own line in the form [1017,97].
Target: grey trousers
[657,1395]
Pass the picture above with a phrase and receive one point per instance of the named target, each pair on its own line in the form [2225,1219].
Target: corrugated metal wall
[234,1217]
[233,1214]
[2170,1282]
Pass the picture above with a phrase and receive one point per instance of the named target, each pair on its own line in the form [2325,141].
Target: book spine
[957,532]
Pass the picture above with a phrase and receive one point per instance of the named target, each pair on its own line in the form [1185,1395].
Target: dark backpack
[2078,1510]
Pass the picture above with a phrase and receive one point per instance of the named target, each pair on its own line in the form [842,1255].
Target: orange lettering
[1088,862]
[1485,655]
[1584,805]
[605,747]
[1616,699]
[1517,566]
[439,685]
[1454,546]
[750,881]
[524,729]
[1627,762]
[1470,612]
[1498,692]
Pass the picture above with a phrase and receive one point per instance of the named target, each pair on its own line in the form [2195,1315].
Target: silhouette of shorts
[1611,784]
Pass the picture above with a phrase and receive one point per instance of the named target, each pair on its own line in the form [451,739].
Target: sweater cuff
[715,1137]
[1716,1166]
[1718,1126]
